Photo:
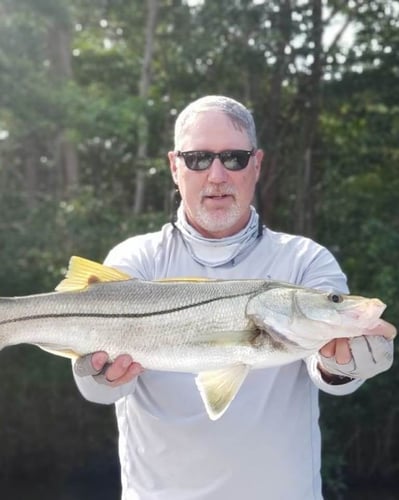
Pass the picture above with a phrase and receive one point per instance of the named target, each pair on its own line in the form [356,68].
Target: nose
[216,172]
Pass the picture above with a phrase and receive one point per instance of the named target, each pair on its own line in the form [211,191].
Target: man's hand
[120,371]
[360,357]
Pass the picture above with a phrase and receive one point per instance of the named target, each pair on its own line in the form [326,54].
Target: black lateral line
[116,315]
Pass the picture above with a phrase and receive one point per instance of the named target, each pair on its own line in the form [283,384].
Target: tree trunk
[266,189]
[311,97]
[61,71]
[143,125]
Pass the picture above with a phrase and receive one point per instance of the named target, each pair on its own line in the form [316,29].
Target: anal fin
[218,388]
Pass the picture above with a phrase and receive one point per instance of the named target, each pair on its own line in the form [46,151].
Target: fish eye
[335,297]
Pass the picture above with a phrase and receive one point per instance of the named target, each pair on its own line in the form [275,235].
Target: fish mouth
[367,314]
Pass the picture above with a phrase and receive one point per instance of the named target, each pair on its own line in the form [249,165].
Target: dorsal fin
[83,272]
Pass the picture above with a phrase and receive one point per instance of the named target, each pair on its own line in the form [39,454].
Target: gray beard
[216,222]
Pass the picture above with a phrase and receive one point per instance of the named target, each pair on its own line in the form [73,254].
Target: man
[267,445]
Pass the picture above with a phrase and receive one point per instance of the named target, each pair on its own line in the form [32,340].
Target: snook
[214,328]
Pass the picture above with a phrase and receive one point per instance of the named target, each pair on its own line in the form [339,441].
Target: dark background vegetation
[89,91]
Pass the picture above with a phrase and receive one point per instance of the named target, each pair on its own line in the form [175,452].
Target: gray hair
[239,115]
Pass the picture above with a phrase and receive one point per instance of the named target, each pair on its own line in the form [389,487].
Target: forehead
[213,130]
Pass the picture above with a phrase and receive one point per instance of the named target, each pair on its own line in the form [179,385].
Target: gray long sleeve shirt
[267,445]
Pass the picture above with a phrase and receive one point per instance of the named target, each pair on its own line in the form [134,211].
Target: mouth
[217,196]
[218,201]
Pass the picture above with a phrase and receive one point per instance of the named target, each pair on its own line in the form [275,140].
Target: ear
[258,162]
[172,165]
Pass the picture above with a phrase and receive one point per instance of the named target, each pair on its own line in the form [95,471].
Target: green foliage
[359,222]
[36,249]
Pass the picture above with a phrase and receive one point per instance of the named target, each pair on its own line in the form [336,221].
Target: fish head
[338,309]
[311,317]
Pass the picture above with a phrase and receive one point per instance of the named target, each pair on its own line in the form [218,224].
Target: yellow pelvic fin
[83,272]
[63,353]
[218,388]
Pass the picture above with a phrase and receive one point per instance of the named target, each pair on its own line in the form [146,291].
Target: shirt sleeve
[323,272]
[101,393]
[336,390]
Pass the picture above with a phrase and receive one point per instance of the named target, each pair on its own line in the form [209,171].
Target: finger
[328,351]
[343,353]
[119,367]
[90,364]
[99,359]
[383,328]
[341,362]
[133,370]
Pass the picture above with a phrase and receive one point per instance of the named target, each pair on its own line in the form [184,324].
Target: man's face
[216,201]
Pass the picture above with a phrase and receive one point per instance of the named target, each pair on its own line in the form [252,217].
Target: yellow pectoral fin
[218,388]
[63,353]
[83,272]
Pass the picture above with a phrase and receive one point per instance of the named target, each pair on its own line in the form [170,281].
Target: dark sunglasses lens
[201,160]
[198,160]
[235,160]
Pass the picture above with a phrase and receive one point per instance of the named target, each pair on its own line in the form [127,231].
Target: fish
[218,330]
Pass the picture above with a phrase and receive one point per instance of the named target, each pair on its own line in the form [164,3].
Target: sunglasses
[234,159]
